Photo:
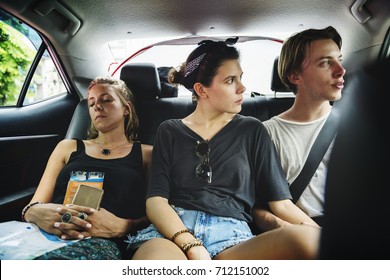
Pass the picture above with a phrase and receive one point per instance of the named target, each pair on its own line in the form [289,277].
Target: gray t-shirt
[245,168]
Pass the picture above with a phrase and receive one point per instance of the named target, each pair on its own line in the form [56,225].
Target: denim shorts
[217,233]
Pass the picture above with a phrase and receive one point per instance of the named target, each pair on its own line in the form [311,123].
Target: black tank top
[124,181]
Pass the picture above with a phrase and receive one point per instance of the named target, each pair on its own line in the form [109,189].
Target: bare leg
[290,242]
[159,249]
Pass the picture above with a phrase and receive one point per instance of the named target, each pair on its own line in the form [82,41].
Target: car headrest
[80,122]
[276,82]
[142,79]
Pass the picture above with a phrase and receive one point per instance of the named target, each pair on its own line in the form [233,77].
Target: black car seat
[357,188]
[279,103]
[151,105]
[80,122]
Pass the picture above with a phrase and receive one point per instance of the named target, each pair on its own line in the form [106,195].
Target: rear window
[257,58]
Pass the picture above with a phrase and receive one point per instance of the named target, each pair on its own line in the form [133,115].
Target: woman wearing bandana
[210,168]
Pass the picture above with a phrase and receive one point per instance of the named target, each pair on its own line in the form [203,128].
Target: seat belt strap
[316,154]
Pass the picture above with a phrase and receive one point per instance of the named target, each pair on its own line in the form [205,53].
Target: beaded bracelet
[178,233]
[187,246]
[28,206]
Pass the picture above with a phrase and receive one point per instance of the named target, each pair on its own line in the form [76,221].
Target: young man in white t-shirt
[310,66]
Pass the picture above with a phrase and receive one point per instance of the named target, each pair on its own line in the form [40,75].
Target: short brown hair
[294,50]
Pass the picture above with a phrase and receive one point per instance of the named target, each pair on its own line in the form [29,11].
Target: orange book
[77,178]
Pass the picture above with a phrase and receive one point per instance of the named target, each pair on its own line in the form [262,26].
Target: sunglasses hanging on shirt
[203,170]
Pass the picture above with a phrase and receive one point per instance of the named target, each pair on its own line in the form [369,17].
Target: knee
[305,241]
[159,249]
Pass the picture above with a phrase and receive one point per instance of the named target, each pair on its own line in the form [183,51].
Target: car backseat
[153,107]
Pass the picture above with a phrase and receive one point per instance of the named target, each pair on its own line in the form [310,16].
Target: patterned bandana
[194,64]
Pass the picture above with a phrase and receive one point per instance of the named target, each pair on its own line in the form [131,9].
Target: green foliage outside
[15,58]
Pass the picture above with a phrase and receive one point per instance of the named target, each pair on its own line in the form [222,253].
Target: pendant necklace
[107,152]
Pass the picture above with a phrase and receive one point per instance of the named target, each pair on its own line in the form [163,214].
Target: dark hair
[203,62]
[126,98]
[294,50]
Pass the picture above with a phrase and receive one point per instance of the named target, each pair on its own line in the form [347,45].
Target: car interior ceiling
[55,20]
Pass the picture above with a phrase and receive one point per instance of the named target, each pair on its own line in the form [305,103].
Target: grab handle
[359,12]
[44,7]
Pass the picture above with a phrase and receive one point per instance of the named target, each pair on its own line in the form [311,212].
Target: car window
[45,83]
[22,81]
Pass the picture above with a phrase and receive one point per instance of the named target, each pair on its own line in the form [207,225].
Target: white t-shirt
[293,141]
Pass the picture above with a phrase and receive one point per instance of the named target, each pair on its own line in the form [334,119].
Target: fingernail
[58,209]
[81,236]
[63,237]
[56,224]
[89,225]
[92,209]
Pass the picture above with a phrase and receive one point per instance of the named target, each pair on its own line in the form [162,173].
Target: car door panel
[28,135]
